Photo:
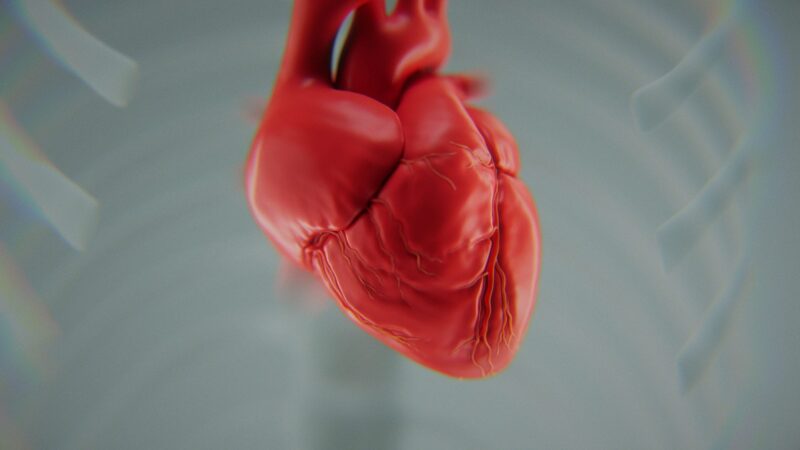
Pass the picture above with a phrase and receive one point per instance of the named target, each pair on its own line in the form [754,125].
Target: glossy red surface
[396,192]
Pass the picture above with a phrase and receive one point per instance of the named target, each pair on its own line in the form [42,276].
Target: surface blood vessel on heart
[403,198]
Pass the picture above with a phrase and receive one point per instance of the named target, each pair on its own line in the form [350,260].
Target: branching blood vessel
[402,197]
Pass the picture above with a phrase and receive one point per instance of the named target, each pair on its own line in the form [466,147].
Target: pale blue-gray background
[173,334]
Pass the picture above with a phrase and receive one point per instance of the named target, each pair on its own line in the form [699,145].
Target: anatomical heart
[381,178]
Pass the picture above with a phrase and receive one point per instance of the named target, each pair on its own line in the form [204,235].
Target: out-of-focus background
[141,307]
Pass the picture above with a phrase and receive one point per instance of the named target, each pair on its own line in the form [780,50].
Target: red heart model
[399,195]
